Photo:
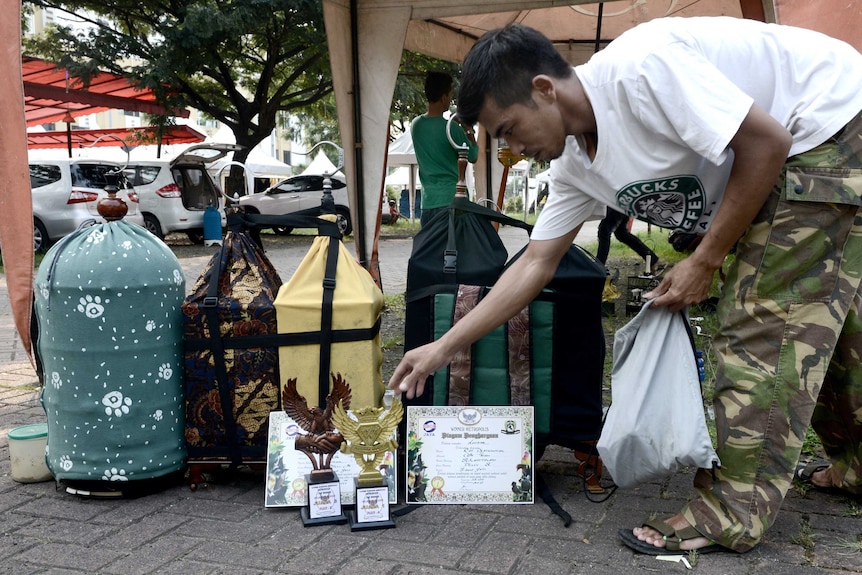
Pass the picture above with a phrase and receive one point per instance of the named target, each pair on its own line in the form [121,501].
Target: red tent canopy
[114,137]
[50,93]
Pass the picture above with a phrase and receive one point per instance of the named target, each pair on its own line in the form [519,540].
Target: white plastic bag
[655,423]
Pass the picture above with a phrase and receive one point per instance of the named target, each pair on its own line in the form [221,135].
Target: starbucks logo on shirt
[676,202]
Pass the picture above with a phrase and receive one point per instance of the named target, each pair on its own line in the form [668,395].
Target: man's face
[533,130]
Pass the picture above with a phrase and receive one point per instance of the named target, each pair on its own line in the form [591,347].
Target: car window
[44,174]
[142,175]
[198,191]
[92,175]
[306,184]
[195,177]
[315,183]
[290,186]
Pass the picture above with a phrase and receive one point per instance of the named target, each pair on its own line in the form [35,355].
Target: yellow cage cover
[356,306]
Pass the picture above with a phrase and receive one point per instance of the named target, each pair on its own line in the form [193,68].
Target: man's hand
[415,367]
[515,289]
[686,283]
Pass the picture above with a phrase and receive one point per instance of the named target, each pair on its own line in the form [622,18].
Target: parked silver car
[66,193]
[174,193]
[300,193]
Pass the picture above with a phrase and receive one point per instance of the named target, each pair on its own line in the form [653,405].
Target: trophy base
[324,501]
[355,525]
[371,509]
[308,521]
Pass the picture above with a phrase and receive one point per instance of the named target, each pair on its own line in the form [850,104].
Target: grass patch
[805,539]
[655,239]
[811,446]
[850,546]
[392,342]
[854,509]
[400,228]
[395,303]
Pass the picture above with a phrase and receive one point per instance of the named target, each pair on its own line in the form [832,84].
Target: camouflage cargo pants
[788,344]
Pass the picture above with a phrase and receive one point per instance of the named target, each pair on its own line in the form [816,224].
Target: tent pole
[69,137]
[359,233]
[599,27]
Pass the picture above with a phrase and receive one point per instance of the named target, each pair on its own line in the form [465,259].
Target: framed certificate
[470,454]
[286,468]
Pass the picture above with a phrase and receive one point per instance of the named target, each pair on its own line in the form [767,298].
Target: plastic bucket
[27,453]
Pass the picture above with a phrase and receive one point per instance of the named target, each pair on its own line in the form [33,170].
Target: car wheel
[343,221]
[151,223]
[196,236]
[282,230]
[40,237]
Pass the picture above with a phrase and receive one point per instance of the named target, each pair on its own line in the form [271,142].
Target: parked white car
[174,193]
[66,193]
[300,193]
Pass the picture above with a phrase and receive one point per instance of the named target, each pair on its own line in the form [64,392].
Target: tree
[319,121]
[243,62]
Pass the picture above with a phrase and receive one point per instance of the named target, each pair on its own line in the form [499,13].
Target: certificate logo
[511,427]
[291,430]
[469,416]
[429,426]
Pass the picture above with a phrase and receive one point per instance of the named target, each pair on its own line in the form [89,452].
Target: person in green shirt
[437,159]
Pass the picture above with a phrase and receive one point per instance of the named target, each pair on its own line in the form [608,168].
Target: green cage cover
[107,304]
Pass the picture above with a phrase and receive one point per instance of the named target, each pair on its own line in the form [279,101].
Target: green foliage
[514,204]
[409,100]
[318,122]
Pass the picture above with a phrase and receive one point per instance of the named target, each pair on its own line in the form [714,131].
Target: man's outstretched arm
[515,289]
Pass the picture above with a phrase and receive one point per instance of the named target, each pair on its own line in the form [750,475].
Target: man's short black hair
[437,85]
[502,64]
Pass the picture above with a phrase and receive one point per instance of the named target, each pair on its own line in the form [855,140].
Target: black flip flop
[805,471]
[632,542]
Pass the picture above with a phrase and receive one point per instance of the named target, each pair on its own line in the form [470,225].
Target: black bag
[460,246]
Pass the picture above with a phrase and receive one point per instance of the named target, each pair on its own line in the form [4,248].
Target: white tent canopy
[258,162]
[401,152]
[321,164]
[265,166]
[399,177]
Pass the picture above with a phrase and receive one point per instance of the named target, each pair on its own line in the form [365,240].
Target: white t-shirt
[669,95]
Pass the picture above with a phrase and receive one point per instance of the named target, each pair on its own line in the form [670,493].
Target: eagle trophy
[321,438]
[369,436]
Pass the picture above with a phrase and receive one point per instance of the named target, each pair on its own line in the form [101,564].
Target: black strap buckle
[329,283]
[210,301]
[450,261]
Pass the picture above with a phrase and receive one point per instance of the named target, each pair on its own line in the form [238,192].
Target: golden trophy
[368,436]
[319,443]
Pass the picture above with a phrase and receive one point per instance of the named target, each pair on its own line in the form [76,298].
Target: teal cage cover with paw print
[109,345]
